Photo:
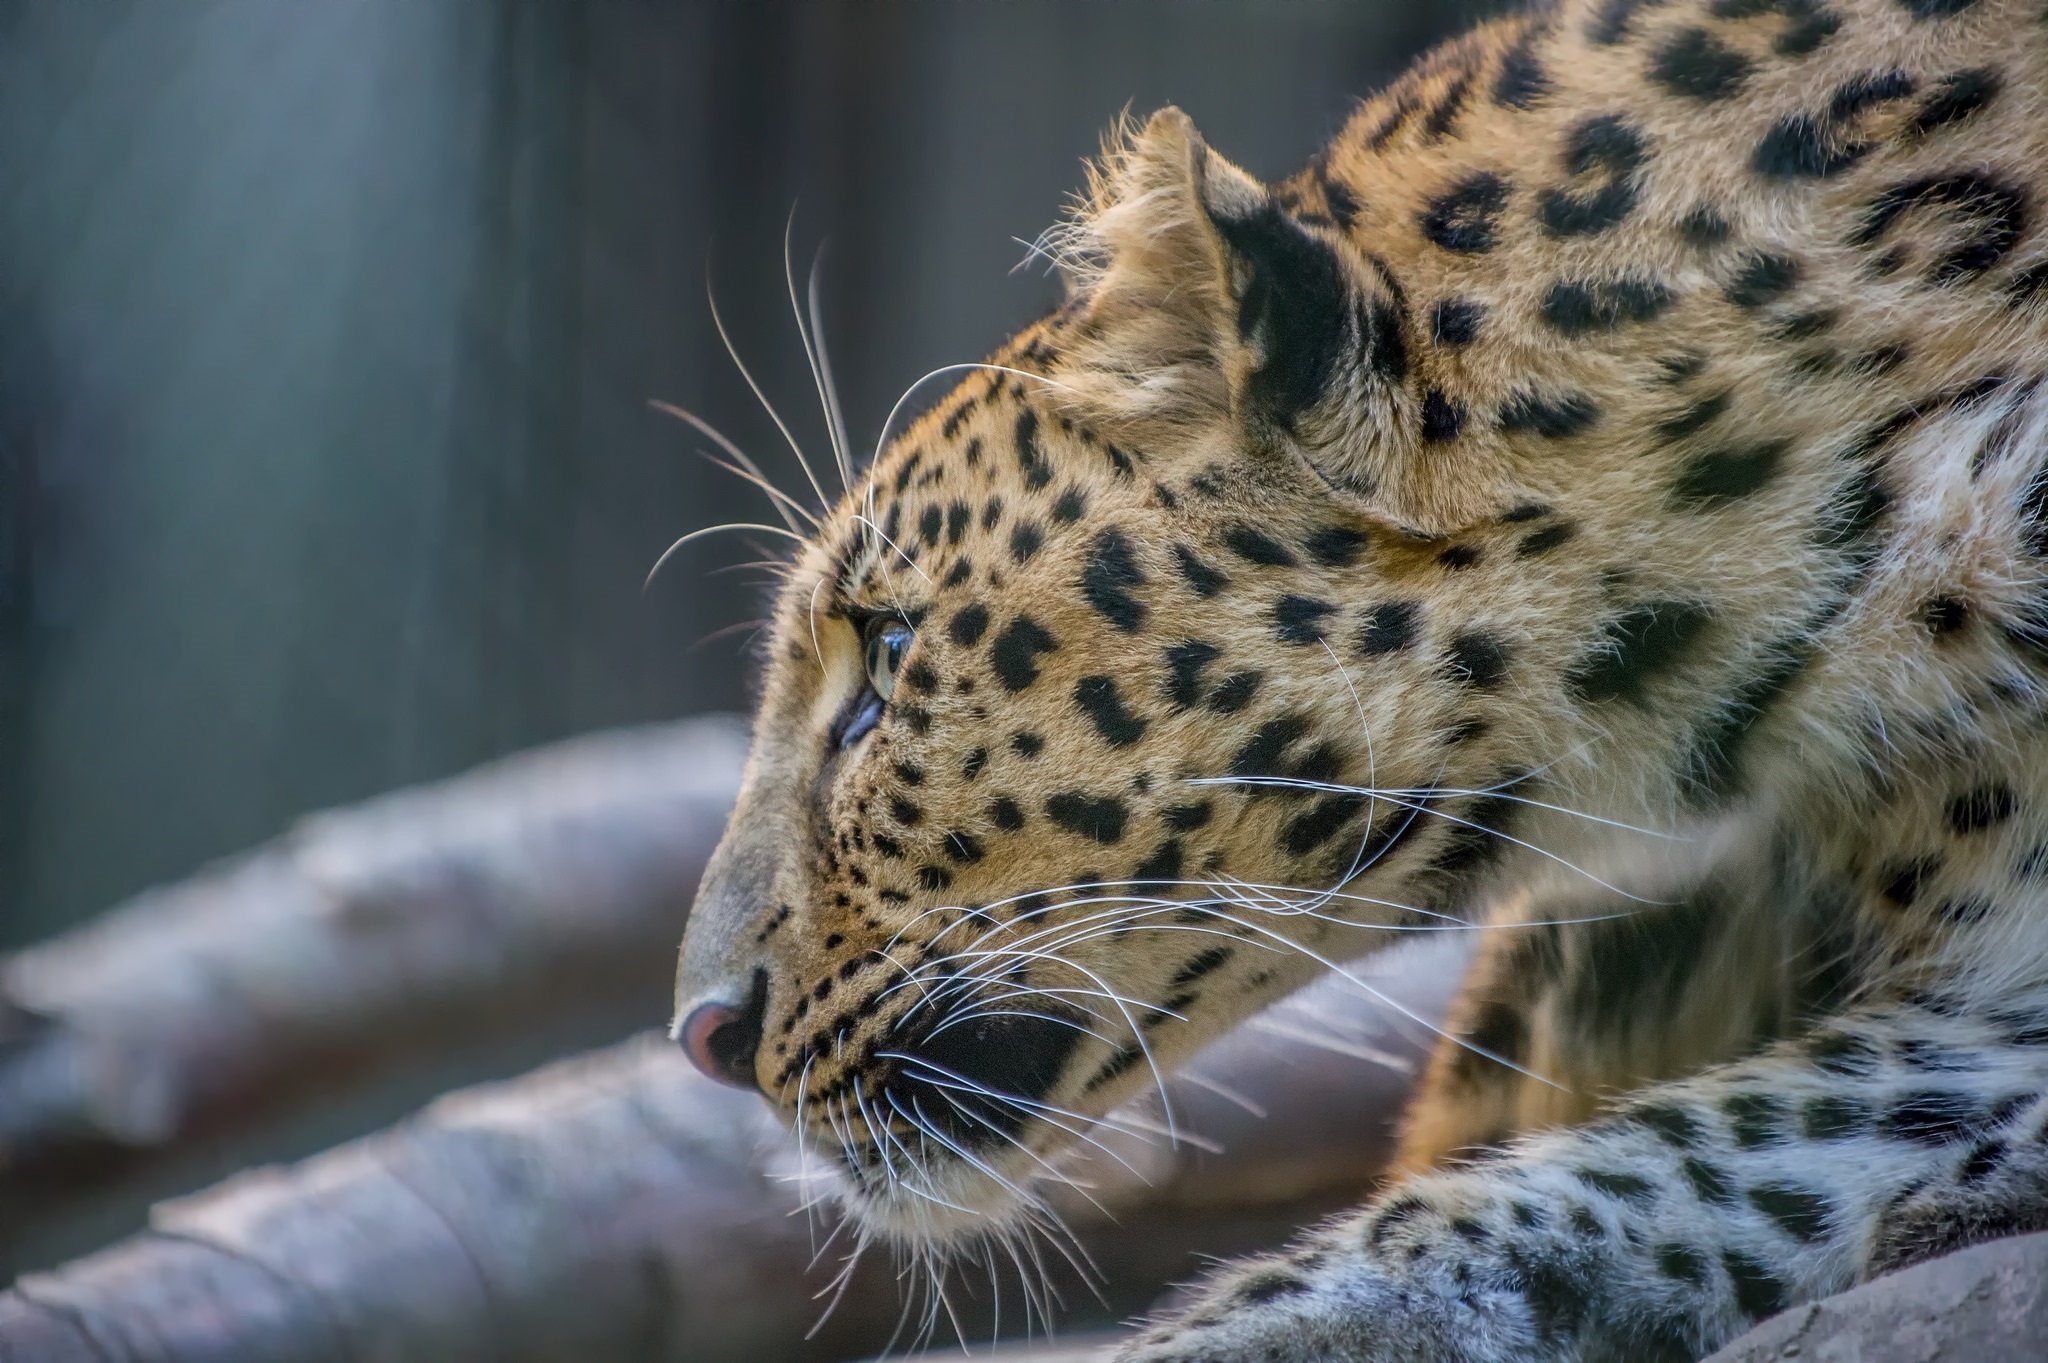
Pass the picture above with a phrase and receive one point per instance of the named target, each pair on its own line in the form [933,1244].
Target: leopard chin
[947,1146]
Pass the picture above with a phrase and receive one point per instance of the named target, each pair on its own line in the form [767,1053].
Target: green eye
[887,642]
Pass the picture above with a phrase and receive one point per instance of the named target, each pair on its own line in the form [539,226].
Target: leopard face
[1494,476]
[1087,734]
[1066,766]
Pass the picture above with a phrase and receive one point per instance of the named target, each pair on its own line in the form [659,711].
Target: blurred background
[329,331]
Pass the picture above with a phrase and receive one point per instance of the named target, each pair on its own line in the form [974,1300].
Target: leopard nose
[721,1039]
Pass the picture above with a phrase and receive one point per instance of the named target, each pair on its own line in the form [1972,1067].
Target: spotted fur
[1603,497]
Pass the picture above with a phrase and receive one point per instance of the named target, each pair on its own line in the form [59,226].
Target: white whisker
[787,507]
[731,351]
[1357,1050]
[810,355]
[747,467]
[877,531]
[962,1084]
[1418,793]
[667,553]
[834,418]
[811,615]
[1223,1091]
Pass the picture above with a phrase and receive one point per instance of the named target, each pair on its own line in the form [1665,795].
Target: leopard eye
[887,642]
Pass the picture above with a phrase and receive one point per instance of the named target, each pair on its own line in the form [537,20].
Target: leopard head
[1193,646]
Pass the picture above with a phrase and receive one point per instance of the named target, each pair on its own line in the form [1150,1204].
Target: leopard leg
[1667,1226]
[1474,1093]
[1577,996]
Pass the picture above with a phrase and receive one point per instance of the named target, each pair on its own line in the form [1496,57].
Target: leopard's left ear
[1208,307]
[1213,316]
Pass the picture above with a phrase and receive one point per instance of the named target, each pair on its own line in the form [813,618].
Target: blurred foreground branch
[619,1206]
[529,889]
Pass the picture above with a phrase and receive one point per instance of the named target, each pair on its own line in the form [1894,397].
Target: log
[620,1206]
[541,887]
[1988,1304]
[614,1204]
[1985,1304]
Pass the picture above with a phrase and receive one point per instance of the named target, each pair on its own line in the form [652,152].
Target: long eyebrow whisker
[889,421]
[747,467]
[811,615]
[733,353]
[810,354]
[785,506]
[835,419]
[877,530]
[669,552]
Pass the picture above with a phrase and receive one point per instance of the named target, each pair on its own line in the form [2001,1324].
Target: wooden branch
[1988,1304]
[619,1206]
[517,894]
[615,1205]
[612,1201]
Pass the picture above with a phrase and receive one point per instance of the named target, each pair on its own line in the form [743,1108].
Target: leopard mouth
[939,1136]
[977,1079]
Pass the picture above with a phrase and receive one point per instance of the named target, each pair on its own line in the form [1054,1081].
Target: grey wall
[327,329]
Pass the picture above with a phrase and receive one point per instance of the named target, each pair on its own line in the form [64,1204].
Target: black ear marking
[1291,309]
[1299,312]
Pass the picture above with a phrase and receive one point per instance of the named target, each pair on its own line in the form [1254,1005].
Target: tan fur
[1785,469]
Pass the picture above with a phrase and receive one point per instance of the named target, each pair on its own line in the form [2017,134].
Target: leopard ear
[1207,307]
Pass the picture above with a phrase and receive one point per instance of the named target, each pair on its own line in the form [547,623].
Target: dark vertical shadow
[502,562]
[395,482]
[24,531]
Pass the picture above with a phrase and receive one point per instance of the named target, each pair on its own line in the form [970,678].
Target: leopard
[1598,505]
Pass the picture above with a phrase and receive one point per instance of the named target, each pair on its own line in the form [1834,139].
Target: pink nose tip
[720,1040]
